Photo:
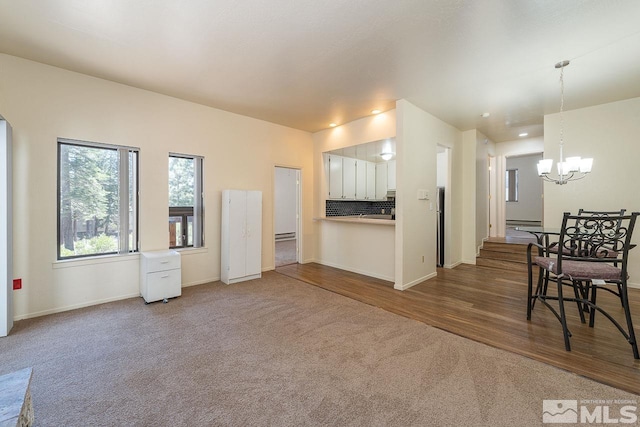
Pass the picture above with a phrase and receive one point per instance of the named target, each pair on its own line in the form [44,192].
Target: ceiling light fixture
[485,115]
[332,125]
[523,134]
[376,111]
[567,168]
[386,156]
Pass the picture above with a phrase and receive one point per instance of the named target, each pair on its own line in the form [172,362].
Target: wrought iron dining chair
[552,248]
[592,252]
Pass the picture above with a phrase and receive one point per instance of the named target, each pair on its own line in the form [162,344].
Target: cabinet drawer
[162,279]
[163,263]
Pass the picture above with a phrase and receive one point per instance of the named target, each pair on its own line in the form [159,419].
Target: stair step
[502,264]
[505,247]
[506,256]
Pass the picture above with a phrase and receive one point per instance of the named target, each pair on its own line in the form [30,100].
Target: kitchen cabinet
[160,275]
[241,236]
[348,178]
[365,180]
[335,176]
[342,177]
[381,181]
[361,180]
[391,175]
[371,181]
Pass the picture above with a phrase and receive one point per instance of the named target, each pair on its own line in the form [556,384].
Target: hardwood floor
[489,306]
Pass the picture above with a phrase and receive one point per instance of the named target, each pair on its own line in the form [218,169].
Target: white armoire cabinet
[241,250]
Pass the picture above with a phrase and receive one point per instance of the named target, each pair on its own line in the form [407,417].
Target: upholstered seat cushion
[580,270]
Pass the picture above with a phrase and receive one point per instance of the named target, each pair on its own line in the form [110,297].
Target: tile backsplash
[354,207]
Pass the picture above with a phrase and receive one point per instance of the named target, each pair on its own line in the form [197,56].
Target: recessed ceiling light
[376,111]
[485,115]
[332,125]
[523,134]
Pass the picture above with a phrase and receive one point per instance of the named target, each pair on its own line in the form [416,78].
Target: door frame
[298,195]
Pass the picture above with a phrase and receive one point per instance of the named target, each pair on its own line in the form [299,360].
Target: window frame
[511,185]
[124,197]
[197,210]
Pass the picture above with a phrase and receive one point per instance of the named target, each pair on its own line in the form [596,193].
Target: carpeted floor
[276,352]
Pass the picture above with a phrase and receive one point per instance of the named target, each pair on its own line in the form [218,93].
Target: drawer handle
[164,262]
[164,277]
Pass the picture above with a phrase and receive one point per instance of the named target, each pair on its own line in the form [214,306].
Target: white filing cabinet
[160,275]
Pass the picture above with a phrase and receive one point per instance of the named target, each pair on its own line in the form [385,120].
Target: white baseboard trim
[200,282]
[355,270]
[74,307]
[466,261]
[415,282]
[454,265]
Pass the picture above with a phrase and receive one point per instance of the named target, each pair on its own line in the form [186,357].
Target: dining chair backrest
[591,214]
[598,238]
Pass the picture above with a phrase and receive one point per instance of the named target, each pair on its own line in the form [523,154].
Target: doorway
[6,225]
[523,191]
[442,200]
[287,216]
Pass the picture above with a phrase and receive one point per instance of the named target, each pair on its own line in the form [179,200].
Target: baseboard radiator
[285,236]
[523,222]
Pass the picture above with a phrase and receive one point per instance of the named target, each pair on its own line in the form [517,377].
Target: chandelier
[571,168]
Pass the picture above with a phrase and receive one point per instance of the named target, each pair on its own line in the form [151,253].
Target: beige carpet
[273,352]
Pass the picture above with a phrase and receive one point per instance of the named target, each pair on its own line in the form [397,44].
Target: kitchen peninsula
[361,245]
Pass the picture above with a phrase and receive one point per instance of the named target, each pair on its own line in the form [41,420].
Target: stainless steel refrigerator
[440,227]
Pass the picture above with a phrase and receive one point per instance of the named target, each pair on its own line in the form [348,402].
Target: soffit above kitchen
[305,64]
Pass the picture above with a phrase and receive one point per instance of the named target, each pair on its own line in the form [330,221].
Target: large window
[185,201]
[97,199]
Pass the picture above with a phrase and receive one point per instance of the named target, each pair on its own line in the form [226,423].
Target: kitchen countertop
[358,220]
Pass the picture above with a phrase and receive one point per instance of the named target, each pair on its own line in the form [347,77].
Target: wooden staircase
[504,254]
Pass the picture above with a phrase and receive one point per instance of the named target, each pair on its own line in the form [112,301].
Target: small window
[97,199]
[511,185]
[185,201]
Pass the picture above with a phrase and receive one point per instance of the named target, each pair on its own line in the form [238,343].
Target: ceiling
[307,63]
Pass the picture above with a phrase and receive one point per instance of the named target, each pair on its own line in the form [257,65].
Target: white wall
[528,207]
[609,133]
[485,148]
[475,204]
[285,200]
[417,138]
[44,103]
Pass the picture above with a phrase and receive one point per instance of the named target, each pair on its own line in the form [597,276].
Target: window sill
[191,251]
[100,259]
